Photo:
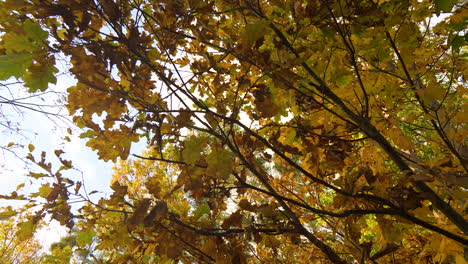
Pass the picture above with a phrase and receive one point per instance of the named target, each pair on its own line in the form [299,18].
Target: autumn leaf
[254,31]
[219,163]
[234,220]
[14,65]
[159,211]
[17,246]
[45,190]
[31,147]
[38,77]
[444,5]
[193,149]
[6,213]
[201,210]
[85,237]
[139,213]
[26,230]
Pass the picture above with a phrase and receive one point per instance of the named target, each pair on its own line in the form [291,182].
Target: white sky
[48,136]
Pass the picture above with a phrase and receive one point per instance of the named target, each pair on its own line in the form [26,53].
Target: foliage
[60,252]
[68,250]
[13,249]
[278,131]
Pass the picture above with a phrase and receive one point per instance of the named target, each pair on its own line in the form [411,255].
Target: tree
[278,131]
[14,249]
[61,252]
[69,249]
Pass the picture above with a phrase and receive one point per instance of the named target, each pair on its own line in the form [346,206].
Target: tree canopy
[280,131]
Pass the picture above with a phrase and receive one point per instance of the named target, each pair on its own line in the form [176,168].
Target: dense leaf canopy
[282,131]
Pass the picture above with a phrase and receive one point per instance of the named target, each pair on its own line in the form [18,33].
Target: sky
[47,134]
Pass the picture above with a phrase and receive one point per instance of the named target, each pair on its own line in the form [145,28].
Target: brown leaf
[246,205]
[263,102]
[158,211]
[139,213]
[77,187]
[268,211]
[234,220]
[53,194]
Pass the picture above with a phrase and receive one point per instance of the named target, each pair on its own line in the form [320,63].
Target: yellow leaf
[20,186]
[459,259]
[7,213]
[44,190]
[25,231]
[270,241]
[31,147]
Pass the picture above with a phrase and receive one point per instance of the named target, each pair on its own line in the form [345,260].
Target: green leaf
[290,137]
[28,37]
[38,77]
[255,31]
[201,210]
[343,80]
[88,134]
[14,42]
[444,5]
[458,42]
[193,148]
[85,237]
[34,32]
[14,65]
